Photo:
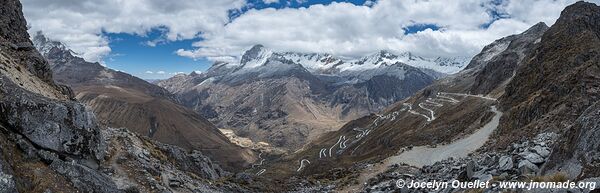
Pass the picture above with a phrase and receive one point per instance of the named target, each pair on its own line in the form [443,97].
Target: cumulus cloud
[352,31]
[342,29]
[160,72]
[80,24]
[149,72]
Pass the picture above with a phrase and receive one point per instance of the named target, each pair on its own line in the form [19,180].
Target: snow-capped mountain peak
[258,55]
[375,60]
[447,65]
[45,45]
[255,56]
[312,61]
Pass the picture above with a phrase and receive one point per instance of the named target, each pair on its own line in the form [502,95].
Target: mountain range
[120,100]
[525,109]
[522,107]
[287,98]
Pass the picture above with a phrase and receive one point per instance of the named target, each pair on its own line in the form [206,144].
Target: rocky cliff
[557,87]
[52,143]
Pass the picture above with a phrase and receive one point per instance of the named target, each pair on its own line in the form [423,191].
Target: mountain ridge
[122,100]
[325,63]
[269,90]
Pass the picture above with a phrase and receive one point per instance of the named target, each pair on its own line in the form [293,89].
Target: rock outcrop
[51,143]
[41,124]
[511,164]
[557,81]
[579,152]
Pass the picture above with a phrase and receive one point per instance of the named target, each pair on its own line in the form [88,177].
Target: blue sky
[131,54]
[154,39]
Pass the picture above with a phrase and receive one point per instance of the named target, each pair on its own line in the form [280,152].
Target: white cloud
[149,72]
[270,1]
[349,30]
[80,23]
[160,72]
[342,29]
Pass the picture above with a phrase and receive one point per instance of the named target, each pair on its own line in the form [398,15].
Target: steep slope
[553,89]
[444,110]
[287,99]
[121,100]
[52,143]
[450,113]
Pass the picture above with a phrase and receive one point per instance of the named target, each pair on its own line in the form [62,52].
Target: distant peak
[254,49]
[255,54]
[386,53]
[257,46]
[537,28]
[382,54]
[44,44]
[194,73]
[540,25]
[39,37]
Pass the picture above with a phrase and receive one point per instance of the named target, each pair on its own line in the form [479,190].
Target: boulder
[526,167]
[65,127]
[595,180]
[533,157]
[470,169]
[505,163]
[7,184]
[84,178]
[542,151]
[484,177]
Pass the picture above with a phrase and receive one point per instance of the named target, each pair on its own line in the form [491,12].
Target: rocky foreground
[519,162]
[49,142]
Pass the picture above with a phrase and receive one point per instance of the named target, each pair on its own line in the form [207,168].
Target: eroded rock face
[13,35]
[7,183]
[499,61]
[580,152]
[42,127]
[56,124]
[65,127]
[51,143]
[558,80]
[556,89]
[137,163]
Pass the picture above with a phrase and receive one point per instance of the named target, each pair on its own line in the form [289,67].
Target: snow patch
[495,50]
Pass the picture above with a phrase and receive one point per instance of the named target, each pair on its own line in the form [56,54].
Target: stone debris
[519,162]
